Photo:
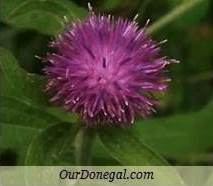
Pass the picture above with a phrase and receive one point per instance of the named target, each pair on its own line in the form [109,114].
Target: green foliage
[25,114]
[127,149]
[23,107]
[16,82]
[20,122]
[15,139]
[44,16]
[178,136]
[55,149]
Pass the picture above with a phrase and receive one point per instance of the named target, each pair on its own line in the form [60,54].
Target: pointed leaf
[127,149]
[15,82]
[52,146]
[178,136]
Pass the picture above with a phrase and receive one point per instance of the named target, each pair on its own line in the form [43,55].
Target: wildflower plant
[95,92]
[107,70]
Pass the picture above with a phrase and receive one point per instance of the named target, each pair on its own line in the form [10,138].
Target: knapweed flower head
[106,69]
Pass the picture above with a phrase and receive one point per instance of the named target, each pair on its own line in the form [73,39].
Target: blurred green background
[190,40]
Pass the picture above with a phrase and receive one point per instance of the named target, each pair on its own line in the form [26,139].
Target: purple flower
[107,70]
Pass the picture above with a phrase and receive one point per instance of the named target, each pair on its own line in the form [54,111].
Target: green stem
[83,146]
[174,14]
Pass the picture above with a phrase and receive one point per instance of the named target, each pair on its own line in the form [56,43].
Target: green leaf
[15,82]
[52,146]
[62,114]
[25,87]
[23,108]
[100,155]
[16,139]
[19,122]
[44,16]
[127,149]
[178,136]
[25,114]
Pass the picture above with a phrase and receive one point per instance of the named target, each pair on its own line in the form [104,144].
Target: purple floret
[107,70]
